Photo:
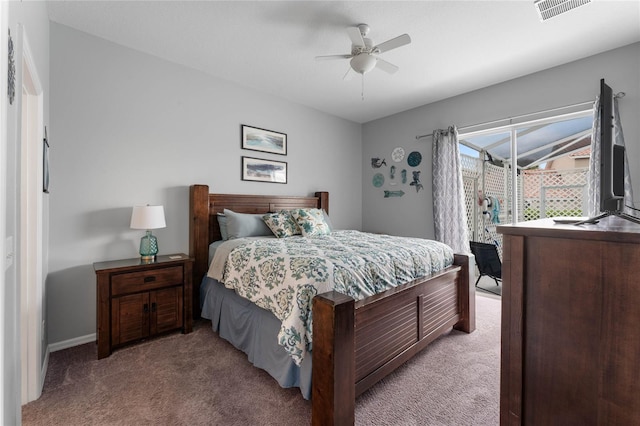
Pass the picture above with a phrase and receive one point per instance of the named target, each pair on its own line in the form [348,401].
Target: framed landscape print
[260,170]
[263,140]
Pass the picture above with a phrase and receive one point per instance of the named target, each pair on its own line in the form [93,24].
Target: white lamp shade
[147,217]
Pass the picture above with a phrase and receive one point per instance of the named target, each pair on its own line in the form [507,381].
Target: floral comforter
[283,275]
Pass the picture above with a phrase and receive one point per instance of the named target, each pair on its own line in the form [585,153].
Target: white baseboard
[65,344]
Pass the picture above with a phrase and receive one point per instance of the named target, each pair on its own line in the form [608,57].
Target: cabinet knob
[145,308]
[149,279]
[153,307]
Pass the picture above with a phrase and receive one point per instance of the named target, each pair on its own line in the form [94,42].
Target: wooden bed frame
[355,344]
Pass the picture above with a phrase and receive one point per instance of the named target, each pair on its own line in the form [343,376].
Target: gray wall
[576,82]
[128,128]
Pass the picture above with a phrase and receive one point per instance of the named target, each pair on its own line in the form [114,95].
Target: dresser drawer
[146,280]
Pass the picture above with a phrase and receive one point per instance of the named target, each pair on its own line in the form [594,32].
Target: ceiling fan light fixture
[363,63]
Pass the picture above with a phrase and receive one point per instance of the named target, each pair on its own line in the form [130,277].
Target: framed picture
[263,140]
[260,170]
[45,163]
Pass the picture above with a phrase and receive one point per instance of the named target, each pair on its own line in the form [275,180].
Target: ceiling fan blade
[348,75]
[386,66]
[393,43]
[326,57]
[355,36]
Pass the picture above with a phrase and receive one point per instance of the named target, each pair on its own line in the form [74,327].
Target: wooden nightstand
[136,300]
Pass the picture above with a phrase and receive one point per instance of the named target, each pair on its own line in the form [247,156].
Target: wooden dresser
[136,300]
[570,324]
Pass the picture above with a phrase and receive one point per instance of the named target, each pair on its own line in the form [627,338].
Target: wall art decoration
[397,154]
[260,170]
[414,159]
[403,173]
[376,162]
[45,162]
[392,172]
[416,181]
[257,139]
[378,180]
[11,74]
[390,194]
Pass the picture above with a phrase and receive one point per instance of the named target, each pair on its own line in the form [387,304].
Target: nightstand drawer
[145,280]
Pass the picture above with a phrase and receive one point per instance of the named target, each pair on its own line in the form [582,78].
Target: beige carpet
[199,379]
[487,285]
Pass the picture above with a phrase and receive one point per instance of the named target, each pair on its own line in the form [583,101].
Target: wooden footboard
[355,344]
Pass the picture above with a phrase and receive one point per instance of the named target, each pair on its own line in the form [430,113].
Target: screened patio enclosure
[550,173]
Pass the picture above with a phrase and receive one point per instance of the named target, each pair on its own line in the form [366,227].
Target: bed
[355,343]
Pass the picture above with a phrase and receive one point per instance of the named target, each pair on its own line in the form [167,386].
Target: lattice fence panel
[471,175]
[521,199]
[493,186]
[482,226]
[470,185]
[471,166]
[551,193]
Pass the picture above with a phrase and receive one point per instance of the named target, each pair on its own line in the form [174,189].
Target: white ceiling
[457,46]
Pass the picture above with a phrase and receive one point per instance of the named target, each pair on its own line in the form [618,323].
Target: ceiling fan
[363,51]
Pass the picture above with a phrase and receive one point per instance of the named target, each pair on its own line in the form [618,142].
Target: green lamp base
[148,247]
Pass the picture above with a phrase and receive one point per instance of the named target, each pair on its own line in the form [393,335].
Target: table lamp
[148,217]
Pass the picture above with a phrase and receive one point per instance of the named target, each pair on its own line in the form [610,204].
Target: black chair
[488,262]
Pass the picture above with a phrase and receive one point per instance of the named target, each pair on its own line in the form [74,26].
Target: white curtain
[619,139]
[594,161]
[449,212]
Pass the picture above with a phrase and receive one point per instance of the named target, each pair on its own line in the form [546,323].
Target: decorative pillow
[282,224]
[311,222]
[222,222]
[241,225]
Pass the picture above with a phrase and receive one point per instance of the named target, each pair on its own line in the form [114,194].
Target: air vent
[547,9]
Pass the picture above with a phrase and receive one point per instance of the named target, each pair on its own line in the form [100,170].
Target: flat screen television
[611,157]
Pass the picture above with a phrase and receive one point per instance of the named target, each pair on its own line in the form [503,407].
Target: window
[550,177]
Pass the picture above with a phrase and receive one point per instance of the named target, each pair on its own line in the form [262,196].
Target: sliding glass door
[547,176]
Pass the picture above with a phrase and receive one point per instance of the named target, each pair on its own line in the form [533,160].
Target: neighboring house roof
[584,153]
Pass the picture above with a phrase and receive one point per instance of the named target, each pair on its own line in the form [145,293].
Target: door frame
[30,134]
[5,252]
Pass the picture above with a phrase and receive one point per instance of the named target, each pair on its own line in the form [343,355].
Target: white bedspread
[283,275]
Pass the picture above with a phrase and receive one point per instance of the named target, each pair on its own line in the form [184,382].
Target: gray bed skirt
[254,331]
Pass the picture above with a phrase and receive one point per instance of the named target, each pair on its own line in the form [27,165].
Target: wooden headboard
[204,228]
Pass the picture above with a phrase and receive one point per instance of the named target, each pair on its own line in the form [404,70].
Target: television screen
[611,156]
[611,162]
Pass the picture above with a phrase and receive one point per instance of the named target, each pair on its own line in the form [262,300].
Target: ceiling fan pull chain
[362,93]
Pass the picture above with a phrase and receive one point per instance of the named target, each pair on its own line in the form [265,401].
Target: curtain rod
[617,95]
